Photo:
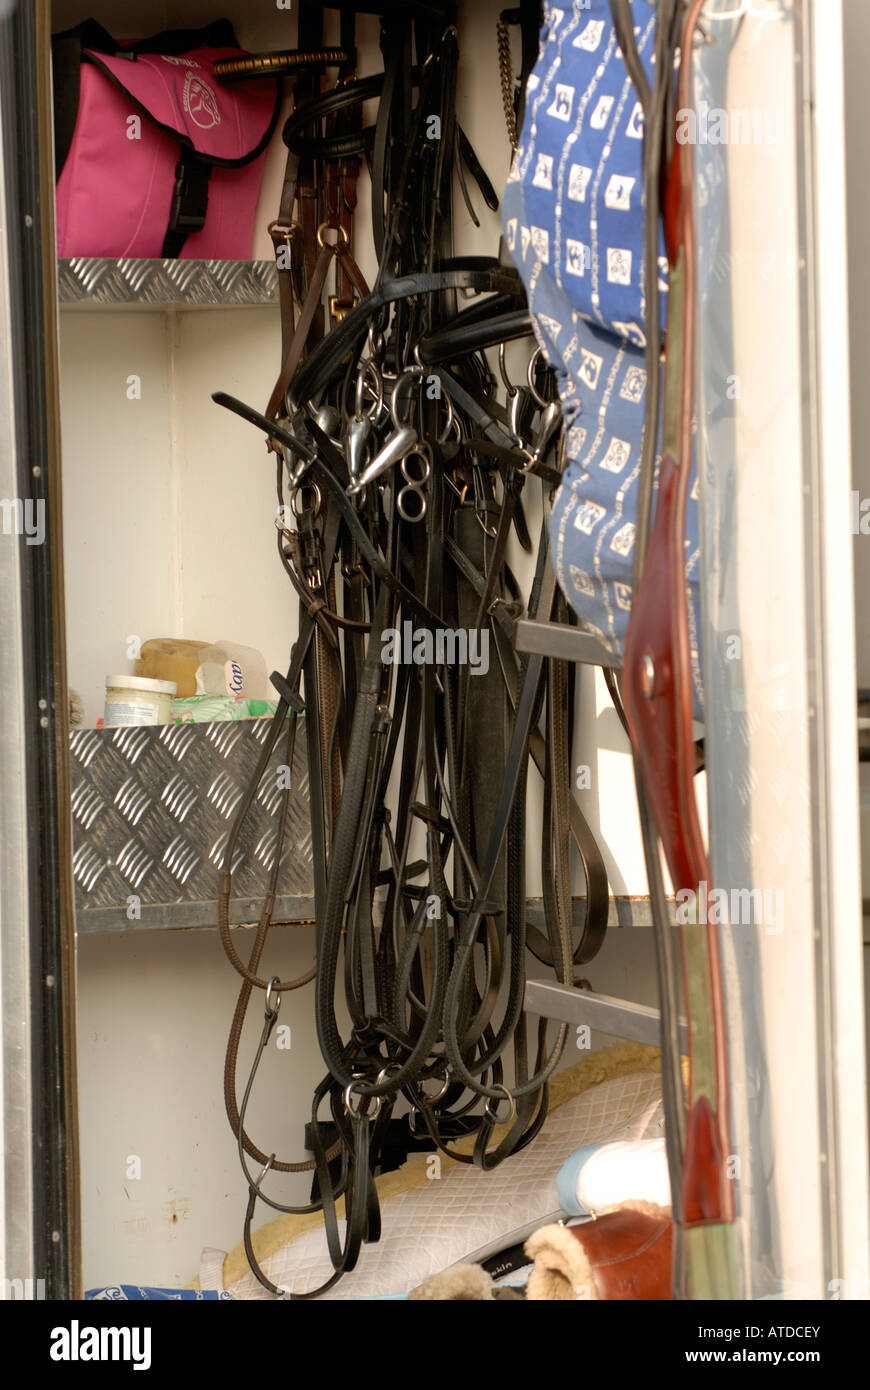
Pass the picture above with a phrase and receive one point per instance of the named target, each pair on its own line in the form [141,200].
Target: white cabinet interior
[168,523]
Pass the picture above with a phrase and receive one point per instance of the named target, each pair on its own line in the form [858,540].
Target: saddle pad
[592,524]
[579,167]
[573,220]
[441,1221]
[135,1293]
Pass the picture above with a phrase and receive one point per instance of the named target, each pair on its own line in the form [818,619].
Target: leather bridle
[418,770]
[656,687]
[418,774]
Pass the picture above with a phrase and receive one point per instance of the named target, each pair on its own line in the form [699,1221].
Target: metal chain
[505,64]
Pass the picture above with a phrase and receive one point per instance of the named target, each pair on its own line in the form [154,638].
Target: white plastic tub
[138,700]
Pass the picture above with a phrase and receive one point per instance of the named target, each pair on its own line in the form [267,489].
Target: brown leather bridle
[657,691]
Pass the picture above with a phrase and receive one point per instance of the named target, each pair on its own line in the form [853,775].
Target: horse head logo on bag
[200,102]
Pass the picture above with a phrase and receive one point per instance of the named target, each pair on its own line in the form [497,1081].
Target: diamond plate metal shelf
[151,811]
[91,282]
[152,808]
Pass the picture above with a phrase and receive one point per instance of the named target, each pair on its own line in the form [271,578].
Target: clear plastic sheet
[756,410]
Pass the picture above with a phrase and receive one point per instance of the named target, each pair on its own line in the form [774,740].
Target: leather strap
[349,334]
[657,686]
[307,317]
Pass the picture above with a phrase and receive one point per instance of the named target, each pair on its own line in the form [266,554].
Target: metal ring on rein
[413,488]
[530,377]
[318,495]
[415,370]
[445,1087]
[270,1008]
[430,1102]
[343,238]
[488,1110]
[368,372]
[348,1096]
[509,386]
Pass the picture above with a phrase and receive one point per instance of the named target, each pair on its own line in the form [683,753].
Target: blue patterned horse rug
[573,221]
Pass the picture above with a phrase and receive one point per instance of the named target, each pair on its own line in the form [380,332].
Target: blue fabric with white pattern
[135,1293]
[573,222]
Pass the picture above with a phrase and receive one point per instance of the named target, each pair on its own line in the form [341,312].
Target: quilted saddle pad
[443,1219]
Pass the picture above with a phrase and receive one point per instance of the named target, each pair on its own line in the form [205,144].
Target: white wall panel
[154,1014]
[117,512]
[232,583]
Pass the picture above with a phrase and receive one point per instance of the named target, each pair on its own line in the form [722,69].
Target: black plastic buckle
[189,196]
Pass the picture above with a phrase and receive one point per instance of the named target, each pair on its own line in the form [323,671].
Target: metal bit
[518,410]
[359,430]
[551,421]
[395,449]
[329,421]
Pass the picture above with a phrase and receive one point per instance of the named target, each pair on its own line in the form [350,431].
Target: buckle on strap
[189,195]
[283,233]
[340,308]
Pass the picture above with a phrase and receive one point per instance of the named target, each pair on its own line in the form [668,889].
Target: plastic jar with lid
[138,700]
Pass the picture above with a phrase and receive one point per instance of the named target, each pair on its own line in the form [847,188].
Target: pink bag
[157,157]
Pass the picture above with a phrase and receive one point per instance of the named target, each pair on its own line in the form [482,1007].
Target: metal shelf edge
[94,282]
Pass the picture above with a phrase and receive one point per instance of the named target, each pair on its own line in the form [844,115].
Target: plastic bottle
[229,669]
